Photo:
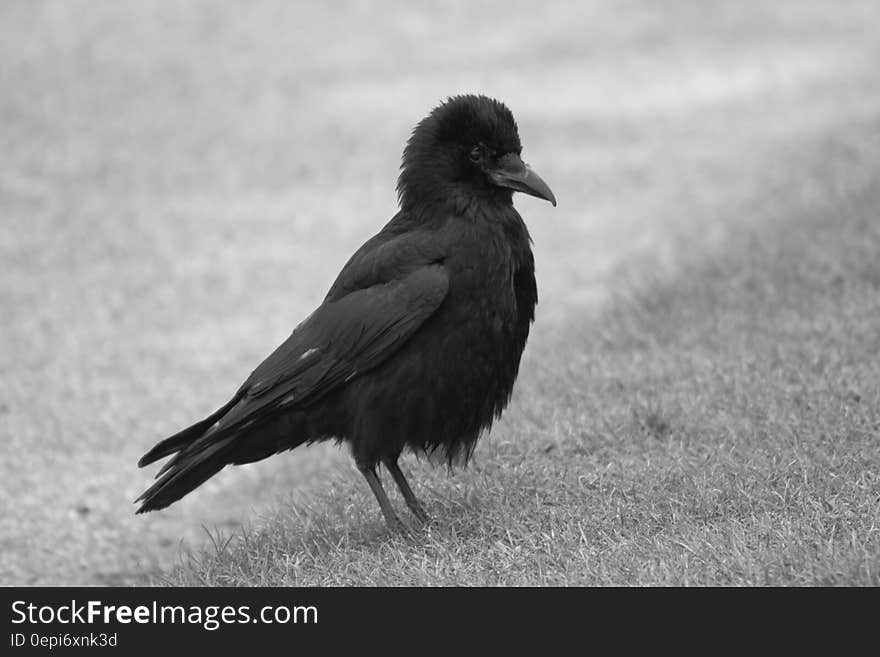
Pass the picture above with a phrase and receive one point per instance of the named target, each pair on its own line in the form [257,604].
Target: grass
[717,427]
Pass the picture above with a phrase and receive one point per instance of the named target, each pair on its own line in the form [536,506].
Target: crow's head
[466,150]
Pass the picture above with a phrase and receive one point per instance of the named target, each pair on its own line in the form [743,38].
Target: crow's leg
[411,501]
[372,478]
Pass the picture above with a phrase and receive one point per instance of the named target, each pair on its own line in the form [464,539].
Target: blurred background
[181,181]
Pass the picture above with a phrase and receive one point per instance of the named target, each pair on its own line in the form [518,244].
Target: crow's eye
[476,154]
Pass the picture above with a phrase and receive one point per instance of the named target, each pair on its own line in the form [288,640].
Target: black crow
[417,344]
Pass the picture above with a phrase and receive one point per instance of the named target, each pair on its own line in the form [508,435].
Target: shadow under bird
[418,342]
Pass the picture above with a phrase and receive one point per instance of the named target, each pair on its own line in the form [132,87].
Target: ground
[182,181]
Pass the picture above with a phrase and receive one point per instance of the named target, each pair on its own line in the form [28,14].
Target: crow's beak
[513,173]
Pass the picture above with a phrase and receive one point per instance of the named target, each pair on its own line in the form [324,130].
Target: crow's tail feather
[185,473]
[204,449]
[183,438]
[199,455]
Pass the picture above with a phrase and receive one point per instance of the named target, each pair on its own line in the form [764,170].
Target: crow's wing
[344,337]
